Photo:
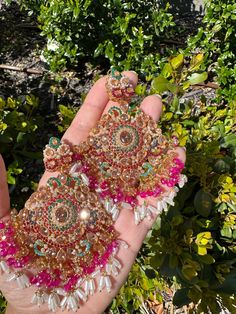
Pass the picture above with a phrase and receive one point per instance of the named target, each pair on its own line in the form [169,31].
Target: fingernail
[159,96]
[133,72]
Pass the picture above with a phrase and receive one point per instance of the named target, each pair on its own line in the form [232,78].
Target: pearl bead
[84,214]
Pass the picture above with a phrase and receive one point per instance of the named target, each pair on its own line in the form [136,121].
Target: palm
[96,103]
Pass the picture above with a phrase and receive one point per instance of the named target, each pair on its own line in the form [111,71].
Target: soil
[21,46]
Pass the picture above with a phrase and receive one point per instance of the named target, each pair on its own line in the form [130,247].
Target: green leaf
[197,78]
[5,139]
[203,203]
[156,261]
[167,70]
[206,259]
[160,84]
[229,140]
[194,294]
[20,137]
[176,62]
[99,50]
[10,179]
[11,103]
[196,61]
[173,88]
[109,51]
[181,297]
[221,166]
[226,232]
[140,89]
[32,100]
[175,104]
[66,112]
[189,272]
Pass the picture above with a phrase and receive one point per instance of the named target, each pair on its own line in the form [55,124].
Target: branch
[19,69]
[27,25]
[209,84]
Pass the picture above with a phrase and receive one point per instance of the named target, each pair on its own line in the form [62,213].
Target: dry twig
[20,69]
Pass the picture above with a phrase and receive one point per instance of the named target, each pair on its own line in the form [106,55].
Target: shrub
[195,242]
[125,32]
[218,41]
[21,126]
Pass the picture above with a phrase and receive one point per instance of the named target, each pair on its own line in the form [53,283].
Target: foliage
[135,34]
[3,304]
[66,115]
[20,122]
[193,244]
[197,237]
[125,32]
[176,77]
[143,284]
[216,38]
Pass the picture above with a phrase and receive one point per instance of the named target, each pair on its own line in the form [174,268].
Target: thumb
[4,194]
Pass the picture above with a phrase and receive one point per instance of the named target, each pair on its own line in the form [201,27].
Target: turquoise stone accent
[113,71]
[54,142]
[102,168]
[87,248]
[114,109]
[149,169]
[36,250]
[50,181]
[78,180]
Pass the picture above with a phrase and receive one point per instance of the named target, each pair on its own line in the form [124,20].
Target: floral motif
[65,233]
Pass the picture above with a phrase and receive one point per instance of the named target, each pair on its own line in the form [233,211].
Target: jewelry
[57,155]
[127,158]
[66,235]
[119,87]
[131,160]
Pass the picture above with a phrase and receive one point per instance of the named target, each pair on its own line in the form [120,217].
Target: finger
[89,113]
[181,151]
[133,76]
[4,194]
[86,118]
[152,106]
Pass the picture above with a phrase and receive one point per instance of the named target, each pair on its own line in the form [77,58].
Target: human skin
[95,104]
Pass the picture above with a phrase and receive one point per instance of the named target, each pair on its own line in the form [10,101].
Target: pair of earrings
[67,231]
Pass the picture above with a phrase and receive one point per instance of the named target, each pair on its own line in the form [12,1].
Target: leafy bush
[218,41]
[20,128]
[197,237]
[193,244]
[143,285]
[125,32]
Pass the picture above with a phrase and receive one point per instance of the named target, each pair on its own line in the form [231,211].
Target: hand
[95,104]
